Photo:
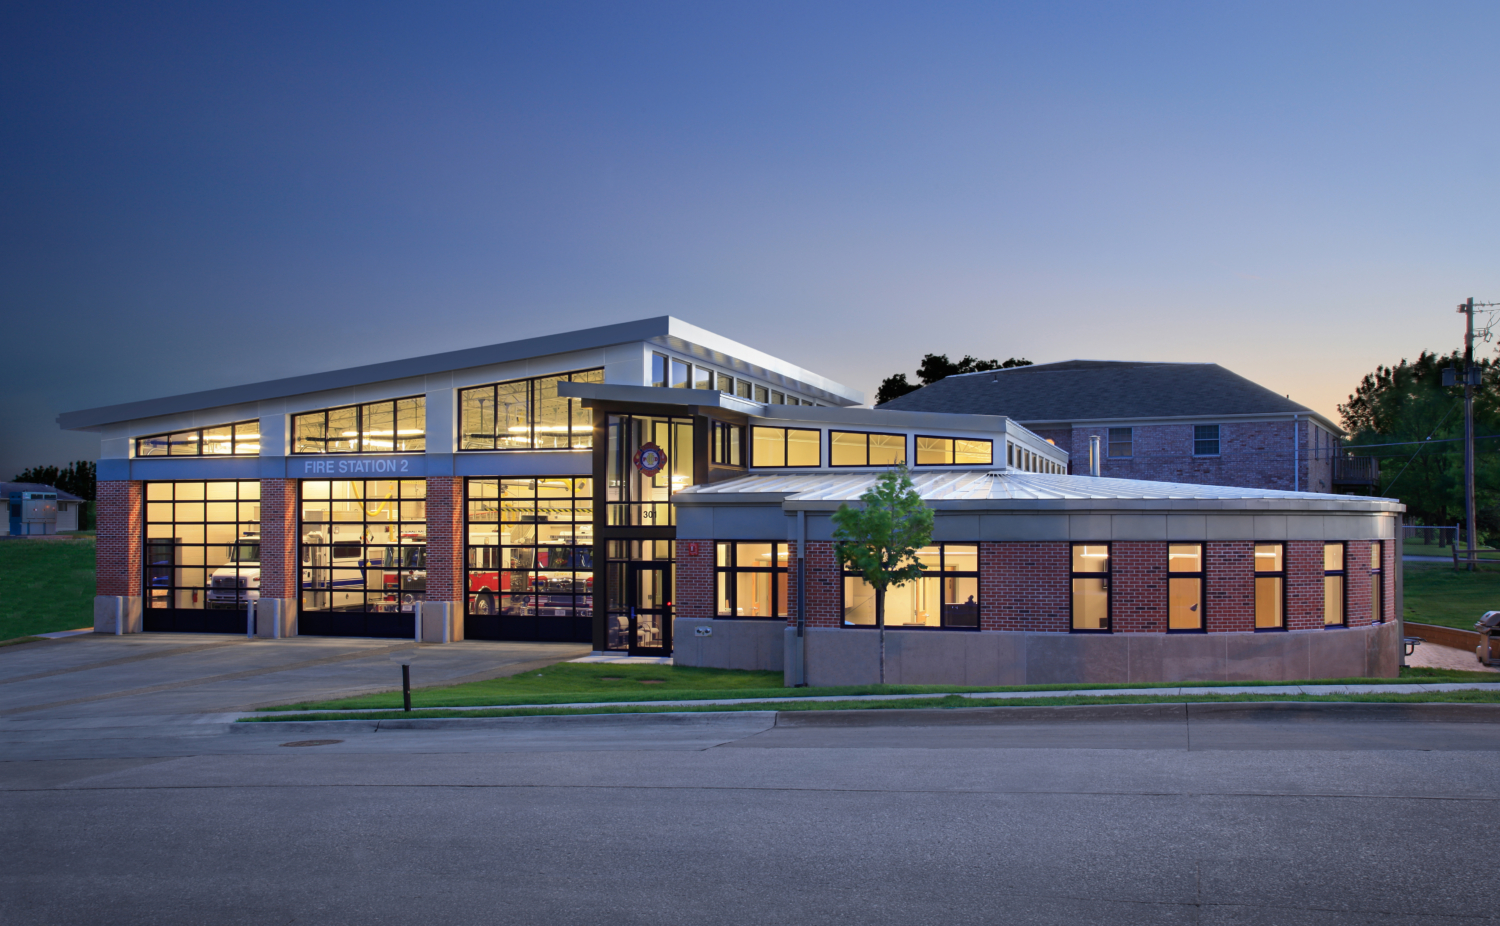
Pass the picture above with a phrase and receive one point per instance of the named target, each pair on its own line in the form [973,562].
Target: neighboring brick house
[1172,422]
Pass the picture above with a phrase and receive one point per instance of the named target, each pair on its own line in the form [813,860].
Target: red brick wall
[1025,586]
[280,569]
[445,538]
[695,579]
[825,586]
[1229,577]
[117,554]
[1138,587]
[1357,565]
[1304,585]
[1252,454]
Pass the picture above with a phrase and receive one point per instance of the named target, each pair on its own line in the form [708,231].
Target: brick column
[1138,586]
[117,558]
[695,580]
[442,612]
[1357,583]
[1304,585]
[117,554]
[825,592]
[445,538]
[1229,578]
[280,566]
[1025,586]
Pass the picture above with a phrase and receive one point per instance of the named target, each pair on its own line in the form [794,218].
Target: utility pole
[1468,309]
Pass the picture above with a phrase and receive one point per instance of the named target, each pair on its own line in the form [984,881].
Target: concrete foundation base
[117,614]
[442,622]
[852,657]
[732,644]
[276,618]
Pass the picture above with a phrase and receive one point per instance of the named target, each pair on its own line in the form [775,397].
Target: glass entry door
[650,597]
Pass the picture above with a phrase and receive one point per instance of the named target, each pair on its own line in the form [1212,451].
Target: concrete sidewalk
[1398,688]
[102,676]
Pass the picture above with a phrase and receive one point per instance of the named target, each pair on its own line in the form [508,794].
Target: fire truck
[516,588]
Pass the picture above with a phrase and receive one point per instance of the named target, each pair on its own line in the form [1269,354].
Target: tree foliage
[1408,402]
[880,539]
[935,367]
[77,478]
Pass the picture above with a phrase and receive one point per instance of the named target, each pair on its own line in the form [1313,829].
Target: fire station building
[655,489]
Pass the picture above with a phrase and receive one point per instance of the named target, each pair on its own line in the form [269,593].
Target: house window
[398,426]
[526,414]
[1270,586]
[1205,440]
[1185,586]
[703,378]
[242,438]
[1122,442]
[750,580]
[763,395]
[852,448]
[1377,583]
[670,372]
[1333,584]
[725,383]
[726,444]
[1090,573]
[786,447]
[951,451]
[945,597]
[742,389]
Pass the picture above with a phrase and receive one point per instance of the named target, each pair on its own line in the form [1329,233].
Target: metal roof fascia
[1180,419]
[718,346]
[446,362]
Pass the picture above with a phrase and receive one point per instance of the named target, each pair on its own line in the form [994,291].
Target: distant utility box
[33,512]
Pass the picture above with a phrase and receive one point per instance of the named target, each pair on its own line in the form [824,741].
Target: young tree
[880,539]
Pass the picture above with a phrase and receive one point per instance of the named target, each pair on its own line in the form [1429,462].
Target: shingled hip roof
[1094,390]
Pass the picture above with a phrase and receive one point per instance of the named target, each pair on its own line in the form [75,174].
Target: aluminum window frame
[952,450]
[1279,574]
[725,577]
[940,573]
[574,406]
[726,444]
[785,446]
[360,428]
[171,574]
[1109,597]
[235,440]
[405,597]
[1343,575]
[1377,581]
[1200,575]
[832,434]
[482,560]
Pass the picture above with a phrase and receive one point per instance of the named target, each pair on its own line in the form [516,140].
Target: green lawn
[1436,594]
[569,682]
[45,585]
[940,702]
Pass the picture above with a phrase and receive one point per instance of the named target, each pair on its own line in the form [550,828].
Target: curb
[930,717]
[686,719]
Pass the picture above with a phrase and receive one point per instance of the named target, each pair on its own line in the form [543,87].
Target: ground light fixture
[403,658]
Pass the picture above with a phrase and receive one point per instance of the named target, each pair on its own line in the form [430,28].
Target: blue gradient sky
[199,195]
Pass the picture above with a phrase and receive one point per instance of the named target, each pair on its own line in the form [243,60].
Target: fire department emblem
[650,459]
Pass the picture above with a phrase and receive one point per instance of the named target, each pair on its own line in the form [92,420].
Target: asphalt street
[735,818]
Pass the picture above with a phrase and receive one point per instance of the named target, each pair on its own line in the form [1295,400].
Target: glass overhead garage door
[364,557]
[202,555]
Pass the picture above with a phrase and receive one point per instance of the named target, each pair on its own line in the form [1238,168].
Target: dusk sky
[199,195]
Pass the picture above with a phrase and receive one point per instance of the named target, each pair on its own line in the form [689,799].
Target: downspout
[1296,460]
[799,676]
